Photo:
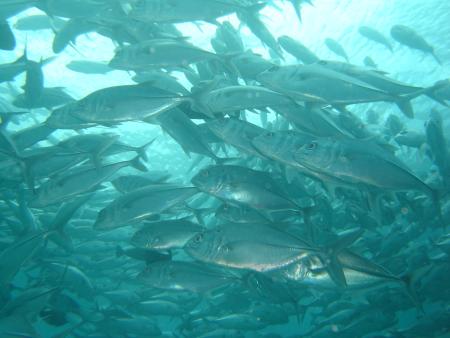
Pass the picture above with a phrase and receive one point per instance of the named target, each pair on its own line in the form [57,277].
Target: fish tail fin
[297,9]
[197,92]
[333,265]
[227,62]
[408,281]
[119,251]
[436,58]
[430,93]
[59,237]
[48,60]
[254,9]
[404,104]
[24,56]
[298,316]
[225,160]
[436,196]
[310,227]
[198,214]
[142,151]
[136,163]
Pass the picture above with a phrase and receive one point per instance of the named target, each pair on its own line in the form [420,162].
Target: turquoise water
[225,224]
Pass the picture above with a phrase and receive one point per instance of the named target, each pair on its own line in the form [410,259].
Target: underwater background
[261,249]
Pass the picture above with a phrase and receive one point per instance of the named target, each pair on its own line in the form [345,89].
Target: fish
[440,91]
[297,5]
[185,132]
[353,161]
[369,62]
[236,98]
[374,35]
[252,19]
[147,255]
[153,53]
[8,41]
[243,187]
[78,181]
[313,83]
[437,143]
[50,98]
[297,49]
[69,33]
[236,132]
[38,22]
[410,38]
[230,37]
[128,183]
[410,138]
[123,103]
[249,64]
[27,137]
[201,169]
[88,67]
[194,277]
[17,254]
[8,71]
[141,204]
[336,48]
[234,245]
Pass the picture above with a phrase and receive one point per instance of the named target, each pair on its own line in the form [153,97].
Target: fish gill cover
[224,168]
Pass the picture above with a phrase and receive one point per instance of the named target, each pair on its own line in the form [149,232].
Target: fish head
[217,126]
[271,75]
[250,65]
[155,273]
[209,179]
[105,220]
[50,193]
[205,245]
[146,238]
[314,154]
[281,145]
[269,143]
[143,239]
[120,58]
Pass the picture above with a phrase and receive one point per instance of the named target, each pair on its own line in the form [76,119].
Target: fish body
[141,204]
[297,49]
[77,181]
[176,275]
[357,161]
[410,38]
[336,48]
[235,245]
[165,235]
[243,186]
[374,35]
[123,103]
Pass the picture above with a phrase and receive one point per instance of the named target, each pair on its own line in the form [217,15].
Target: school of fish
[309,208]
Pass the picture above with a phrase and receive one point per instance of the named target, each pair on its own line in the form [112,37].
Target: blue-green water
[224,168]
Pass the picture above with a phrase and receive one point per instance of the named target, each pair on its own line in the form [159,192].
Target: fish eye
[205,173]
[311,146]
[322,62]
[198,238]
[270,134]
